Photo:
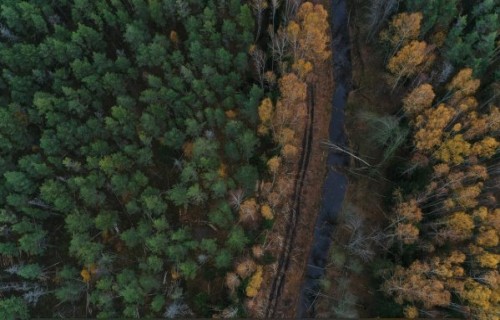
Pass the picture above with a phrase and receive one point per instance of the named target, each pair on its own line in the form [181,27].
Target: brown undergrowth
[281,242]
[310,197]
[309,208]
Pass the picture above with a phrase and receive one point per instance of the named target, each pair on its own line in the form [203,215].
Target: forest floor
[311,195]
[348,289]
[310,199]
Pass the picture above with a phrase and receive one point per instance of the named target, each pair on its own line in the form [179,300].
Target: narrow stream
[335,183]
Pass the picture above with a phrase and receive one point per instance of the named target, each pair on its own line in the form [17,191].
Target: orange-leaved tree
[309,35]
[413,285]
[408,61]
[418,100]
[403,28]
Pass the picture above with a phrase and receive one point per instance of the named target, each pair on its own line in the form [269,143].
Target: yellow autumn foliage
[458,227]
[262,130]
[409,210]
[478,295]
[408,60]
[222,172]
[432,123]
[274,164]
[412,284]
[478,172]
[467,196]
[463,84]
[453,150]
[441,170]
[85,275]
[407,233]
[293,90]
[467,104]
[290,152]
[439,38]
[313,37]
[410,312]
[302,68]
[286,136]
[493,219]
[488,260]
[419,99]
[255,282]
[403,28]
[481,213]
[494,119]
[248,210]
[486,148]
[266,111]
[266,212]
[487,238]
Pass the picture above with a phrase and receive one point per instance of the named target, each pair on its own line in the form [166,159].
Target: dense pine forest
[161,158]
[135,137]
[115,165]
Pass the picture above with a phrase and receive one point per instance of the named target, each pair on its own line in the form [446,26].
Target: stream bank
[335,183]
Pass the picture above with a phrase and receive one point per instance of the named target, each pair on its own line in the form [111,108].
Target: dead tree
[291,7]
[279,47]
[274,6]
[259,59]
[379,12]
[259,6]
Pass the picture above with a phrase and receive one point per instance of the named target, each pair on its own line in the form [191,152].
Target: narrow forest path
[284,260]
[292,266]
[285,287]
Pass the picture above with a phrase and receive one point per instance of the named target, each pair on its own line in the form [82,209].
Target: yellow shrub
[85,275]
[266,212]
[255,283]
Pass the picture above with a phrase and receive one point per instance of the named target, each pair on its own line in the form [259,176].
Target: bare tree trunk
[274,5]
[291,7]
[279,45]
[380,10]
[259,58]
[259,6]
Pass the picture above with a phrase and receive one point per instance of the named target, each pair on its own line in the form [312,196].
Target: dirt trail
[307,199]
[283,290]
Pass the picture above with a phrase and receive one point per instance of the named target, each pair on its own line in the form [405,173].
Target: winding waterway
[335,183]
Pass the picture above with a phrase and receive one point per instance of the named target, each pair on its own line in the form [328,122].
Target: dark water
[335,183]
